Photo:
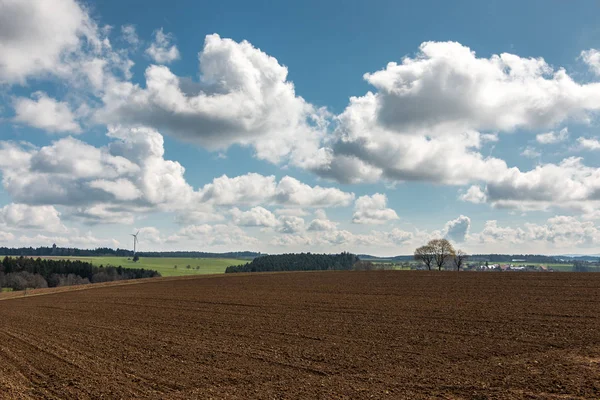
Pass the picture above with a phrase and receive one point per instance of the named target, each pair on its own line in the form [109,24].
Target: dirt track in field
[309,335]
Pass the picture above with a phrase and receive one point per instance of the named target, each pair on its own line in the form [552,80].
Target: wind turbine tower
[135,241]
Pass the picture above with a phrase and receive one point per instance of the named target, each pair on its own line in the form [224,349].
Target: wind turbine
[135,240]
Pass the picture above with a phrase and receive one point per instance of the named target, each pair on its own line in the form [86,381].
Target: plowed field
[309,335]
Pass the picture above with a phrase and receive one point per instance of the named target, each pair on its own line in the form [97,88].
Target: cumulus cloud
[343,239]
[530,152]
[96,214]
[297,212]
[130,35]
[321,222]
[424,123]
[129,172]
[592,58]
[257,216]
[23,216]
[458,229]
[254,189]
[148,235]
[230,237]
[38,37]
[553,137]
[291,224]
[198,214]
[161,50]
[569,184]
[373,210]
[6,236]
[75,238]
[474,195]
[45,113]
[588,143]
[559,232]
[447,84]
[243,97]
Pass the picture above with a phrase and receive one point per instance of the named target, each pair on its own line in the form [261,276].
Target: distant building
[518,260]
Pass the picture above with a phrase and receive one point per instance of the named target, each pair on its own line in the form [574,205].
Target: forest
[25,272]
[298,262]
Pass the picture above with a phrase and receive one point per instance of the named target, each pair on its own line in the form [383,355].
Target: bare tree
[442,250]
[426,255]
[459,259]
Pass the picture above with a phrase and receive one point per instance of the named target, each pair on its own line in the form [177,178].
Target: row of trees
[584,266]
[440,253]
[24,272]
[105,251]
[298,262]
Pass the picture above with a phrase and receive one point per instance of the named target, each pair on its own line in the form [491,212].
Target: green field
[166,266]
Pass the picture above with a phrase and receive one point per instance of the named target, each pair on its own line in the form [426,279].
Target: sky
[321,126]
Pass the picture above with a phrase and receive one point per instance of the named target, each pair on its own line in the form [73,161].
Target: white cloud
[129,173]
[530,152]
[474,195]
[592,58]
[161,50]
[147,237]
[75,238]
[45,113]
[373,210]
[492,233]
[229,237]
[447,84]
[6,237]
[130,35]
[22,216]
[424,121]
[458,229]
[254,189]
[104,214]
[297,212]
[257,216]
[321,222]
[553,137]
[38,37]
[322,225]
[569,184]
[198,214]
[559,232]
[343,239]
[122,189]
[588,143]
[243,97]
[291,224]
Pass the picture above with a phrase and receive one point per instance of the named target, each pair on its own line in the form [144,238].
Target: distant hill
[504,258]
[105,251]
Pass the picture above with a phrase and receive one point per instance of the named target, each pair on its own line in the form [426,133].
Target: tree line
[54,250]
[439,253]
[298,262]
[585,266]
[497,258]
[25,272]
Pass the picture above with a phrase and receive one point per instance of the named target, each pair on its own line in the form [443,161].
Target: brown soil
[328,335]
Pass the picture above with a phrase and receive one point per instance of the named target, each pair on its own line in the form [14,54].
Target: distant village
[485,266]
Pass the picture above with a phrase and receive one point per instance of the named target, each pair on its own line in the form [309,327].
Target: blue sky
[295,131]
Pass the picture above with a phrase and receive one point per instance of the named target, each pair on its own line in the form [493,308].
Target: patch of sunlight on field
[166,266]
